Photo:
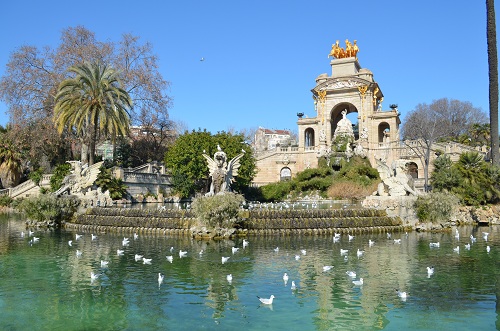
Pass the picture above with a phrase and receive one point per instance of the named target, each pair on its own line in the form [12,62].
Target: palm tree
[10,164]
[93,104]
[491,36]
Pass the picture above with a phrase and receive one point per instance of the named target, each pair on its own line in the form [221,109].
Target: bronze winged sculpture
[222,172]
[81,178]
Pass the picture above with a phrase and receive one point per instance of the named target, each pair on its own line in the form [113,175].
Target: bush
[218,211]
[48,207]
[36,176]
[436,207]
[60,171]
[5,200]
[345,189]
[117,189]
[277,191]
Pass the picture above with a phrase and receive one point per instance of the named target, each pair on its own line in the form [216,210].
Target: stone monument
[222,172]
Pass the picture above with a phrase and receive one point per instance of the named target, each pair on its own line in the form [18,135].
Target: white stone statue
[395,181]
[344,127]
[81,178]
[222,172]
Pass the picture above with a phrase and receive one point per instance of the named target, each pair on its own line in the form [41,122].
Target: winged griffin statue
[222,172]
[395,181]
[80,179]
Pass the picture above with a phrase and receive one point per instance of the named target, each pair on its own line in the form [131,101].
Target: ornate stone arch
[285,174]
[384,132]
[309,138]
[412,169]
[336,115]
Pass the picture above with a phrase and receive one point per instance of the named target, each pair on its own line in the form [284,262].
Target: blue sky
[262,57]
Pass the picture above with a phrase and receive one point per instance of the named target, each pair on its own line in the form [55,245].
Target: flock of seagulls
[357,282]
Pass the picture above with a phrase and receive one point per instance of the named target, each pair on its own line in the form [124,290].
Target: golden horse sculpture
[351,50]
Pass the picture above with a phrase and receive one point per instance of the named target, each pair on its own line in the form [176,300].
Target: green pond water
[46,286]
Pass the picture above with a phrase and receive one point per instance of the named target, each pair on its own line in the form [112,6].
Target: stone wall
[259,222]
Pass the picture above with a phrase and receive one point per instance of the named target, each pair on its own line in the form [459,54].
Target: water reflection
[49,283]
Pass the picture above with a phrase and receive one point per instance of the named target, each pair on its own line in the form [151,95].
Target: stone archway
[285,174]
[352,115]
[309,138]
[413,170]
[384,132]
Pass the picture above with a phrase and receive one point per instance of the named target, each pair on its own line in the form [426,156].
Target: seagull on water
[119,252]
[285,278]
[94,236]
[229,278]
[225,259]
[170,258]
[146,261]
[457,249]
[467,246]
[371,242]
[358,282]
[78,253]
[200,253]
[104,264]
[343,251]
[351,274]
[485,235]
[93,276]
[397,241]
[245,243]
[401,294]
[277,249]
[436,244]
[430,271]
[125,242]
[136,236]
[293,287]
[297,257]
[388,235]
[70,242]
[303,251]
[327,268]
[138,257]
[267,301]
[182,253]
[359,252]
[336,239]
[488,249]
[77,236]
[234,249]
[351,237]
[160,278]
[473,239]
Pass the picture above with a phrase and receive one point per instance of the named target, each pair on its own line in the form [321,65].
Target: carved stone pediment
[340,83]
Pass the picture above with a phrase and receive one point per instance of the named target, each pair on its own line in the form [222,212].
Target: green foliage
[358,170]
[473,180]
[105,180]
[436,207]
[5,200]
[313,173]
[60,171]
[218,211]
[341,143]
[48,207]
[277,191]
[36,176]
[185,157]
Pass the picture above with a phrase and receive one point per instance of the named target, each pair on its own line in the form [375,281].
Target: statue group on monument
[221,172]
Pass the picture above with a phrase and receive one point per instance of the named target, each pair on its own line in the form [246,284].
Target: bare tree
[30,83]
[442,119]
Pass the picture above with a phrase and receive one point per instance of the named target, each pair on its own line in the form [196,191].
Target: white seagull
[93,276]
[467,246]
[472,239]
[136,236]
[277,249]
[94,236]
[78,253]
[146,261]
[388,235]
[303,251]
[358,282]
[170,258]
[359,252]
[327,268]
[297,257]
[245,243]
[229,278]
[401,294]
[436,244]
[488,248]
[119,252]
[138,257]
[160,278]
[77,236]
[285,278]
[293,287]
[371,242]
[485,235]
[351,274]
[430,271]
[104,264]
[456,249]
[343,251]
[267,301]
[234,249]
[125,242]
[70,242]
[224,259]
[182,253]
[351,237]
[397,241]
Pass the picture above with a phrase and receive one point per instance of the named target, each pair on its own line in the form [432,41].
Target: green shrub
[277,191]
[218,211]
[48,207]
[36,176]
[105,180]
[5,200]
[60,171]
[436,207]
